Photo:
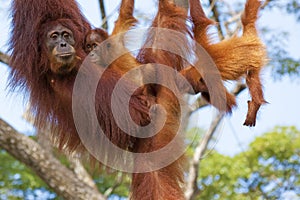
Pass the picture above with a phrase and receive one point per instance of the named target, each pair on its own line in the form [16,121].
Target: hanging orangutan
[235,57]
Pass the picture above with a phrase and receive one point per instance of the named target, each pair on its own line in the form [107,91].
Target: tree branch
[43,138]
[216,16]
[265,4]
[118,182]
[81,172]
[4,58]
[103,15]
[62,180]
[106,17]
[192,190]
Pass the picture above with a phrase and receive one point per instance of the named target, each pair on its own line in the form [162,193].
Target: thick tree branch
[192,190]
[43,138]
[62,180]
[81,172]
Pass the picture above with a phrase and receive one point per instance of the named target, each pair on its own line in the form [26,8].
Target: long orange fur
[235,57]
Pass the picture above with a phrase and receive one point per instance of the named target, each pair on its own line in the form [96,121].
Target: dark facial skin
[97,54]
[60,43]
[92,42]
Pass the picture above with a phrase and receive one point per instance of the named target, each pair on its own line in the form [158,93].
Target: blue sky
[283,110]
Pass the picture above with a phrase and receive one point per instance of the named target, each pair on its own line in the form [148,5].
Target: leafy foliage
[280,60]
[294,8]
[18,182]
[112,183]
[269,169]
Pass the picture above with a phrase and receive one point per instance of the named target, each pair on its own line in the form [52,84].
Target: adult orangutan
[46,43]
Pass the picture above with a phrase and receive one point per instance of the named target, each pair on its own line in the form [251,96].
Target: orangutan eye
[66,36]
[88,47]
[54,36]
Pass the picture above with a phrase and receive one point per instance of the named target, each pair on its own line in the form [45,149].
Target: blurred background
[238,162]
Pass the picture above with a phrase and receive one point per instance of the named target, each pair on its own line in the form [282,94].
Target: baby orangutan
[93,39]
